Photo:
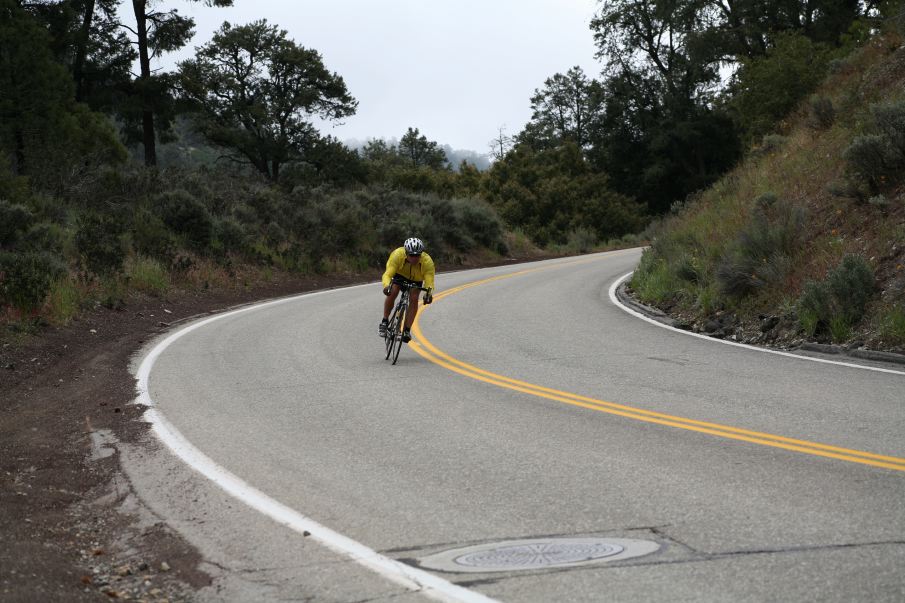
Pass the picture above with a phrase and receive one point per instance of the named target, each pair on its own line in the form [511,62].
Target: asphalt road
[752,472]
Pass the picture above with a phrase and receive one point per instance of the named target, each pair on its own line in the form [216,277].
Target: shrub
[151,238]
[822,114]
[44,236]
[762,252]
[686,268]
[773,142]
[98,238]
[230,234]
[14,221]
[878,159]
[871,159]
[481,222]
[848,189]
[838,302]
[766,200]
[889,121]
[580,240]
[186,215]
[26,278]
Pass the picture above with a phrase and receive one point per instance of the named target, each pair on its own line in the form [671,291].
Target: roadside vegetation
[805,239]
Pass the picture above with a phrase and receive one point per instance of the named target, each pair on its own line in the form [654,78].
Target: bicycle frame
[396,324]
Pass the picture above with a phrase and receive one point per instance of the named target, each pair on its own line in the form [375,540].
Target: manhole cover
[537,554]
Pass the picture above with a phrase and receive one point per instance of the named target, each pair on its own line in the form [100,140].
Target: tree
[652,39]
[255,91]
[44,132]
[500,145]
[157,32]
[567,108]
[416,150]
[766,88]
[550,192]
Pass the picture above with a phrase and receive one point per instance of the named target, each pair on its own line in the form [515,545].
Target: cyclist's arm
[428,271]
[393,263]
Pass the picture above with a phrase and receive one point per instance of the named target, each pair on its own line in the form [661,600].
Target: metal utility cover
[538,553]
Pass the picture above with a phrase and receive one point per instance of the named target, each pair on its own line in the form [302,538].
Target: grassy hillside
[805,239]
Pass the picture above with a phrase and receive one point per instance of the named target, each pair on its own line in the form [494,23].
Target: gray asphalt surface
[297,400]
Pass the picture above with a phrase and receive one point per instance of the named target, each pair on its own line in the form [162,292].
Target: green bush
[98,238]
[151,237]
[481,222]
[14,221]
[184,214]
[44,236]
[26,278]
[230,234]
[837,303]
[889,120]
[877,159]
[762,252]
[871,159]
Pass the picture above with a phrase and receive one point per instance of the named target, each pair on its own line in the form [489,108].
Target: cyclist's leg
[390,300]
[413,309]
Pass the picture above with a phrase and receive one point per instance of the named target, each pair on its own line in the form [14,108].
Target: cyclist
[407,264]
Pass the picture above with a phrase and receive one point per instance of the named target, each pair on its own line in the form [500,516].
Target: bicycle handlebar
[409,286]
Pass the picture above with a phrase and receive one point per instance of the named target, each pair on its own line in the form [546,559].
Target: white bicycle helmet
[413,246]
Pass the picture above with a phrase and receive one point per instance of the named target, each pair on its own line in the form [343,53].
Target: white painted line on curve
[637,314]
[409,577]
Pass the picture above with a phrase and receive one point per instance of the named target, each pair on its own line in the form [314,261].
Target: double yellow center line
[425,348]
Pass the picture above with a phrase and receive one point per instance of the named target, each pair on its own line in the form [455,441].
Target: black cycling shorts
[401,280]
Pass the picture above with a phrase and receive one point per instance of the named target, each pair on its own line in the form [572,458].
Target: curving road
[760,477]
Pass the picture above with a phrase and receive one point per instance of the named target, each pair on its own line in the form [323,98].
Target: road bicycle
[393,337]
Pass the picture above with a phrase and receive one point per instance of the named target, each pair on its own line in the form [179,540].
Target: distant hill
[805,239]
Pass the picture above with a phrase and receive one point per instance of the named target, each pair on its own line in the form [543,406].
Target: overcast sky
[457,71]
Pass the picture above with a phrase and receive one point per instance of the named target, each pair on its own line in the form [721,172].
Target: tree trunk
[81,51]
[144,59]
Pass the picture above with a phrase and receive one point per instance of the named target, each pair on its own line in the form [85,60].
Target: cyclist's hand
[428,298]
[386,290]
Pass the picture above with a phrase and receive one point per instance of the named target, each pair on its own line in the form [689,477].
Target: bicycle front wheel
[397,340]
[394,331]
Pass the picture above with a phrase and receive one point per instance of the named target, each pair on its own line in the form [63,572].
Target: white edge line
[409,577]
[637,314]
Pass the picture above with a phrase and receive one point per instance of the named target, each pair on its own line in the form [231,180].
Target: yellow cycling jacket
[422,271]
